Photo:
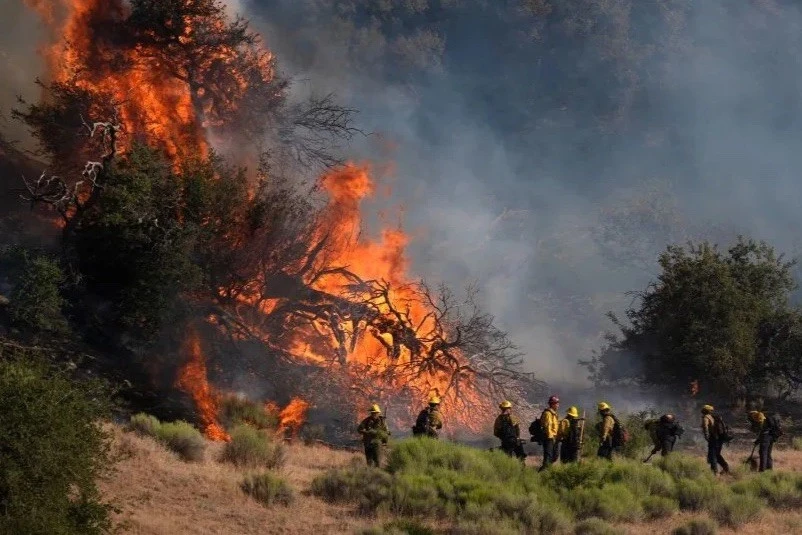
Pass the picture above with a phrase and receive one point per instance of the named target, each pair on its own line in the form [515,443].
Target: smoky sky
[549,150]
[552,155]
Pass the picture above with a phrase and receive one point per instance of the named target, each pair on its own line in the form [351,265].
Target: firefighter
[715,434]
[550,423]
[570,436]
[664,433]
[605,428]
[768,430]
[429,420]
[507,428]
[374,433]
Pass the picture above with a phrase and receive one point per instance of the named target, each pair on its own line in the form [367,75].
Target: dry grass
[159,494]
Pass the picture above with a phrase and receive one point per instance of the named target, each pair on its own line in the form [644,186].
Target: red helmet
[554,399]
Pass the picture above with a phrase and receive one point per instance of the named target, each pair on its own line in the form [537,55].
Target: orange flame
[192,378]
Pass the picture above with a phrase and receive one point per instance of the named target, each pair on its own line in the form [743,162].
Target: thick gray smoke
[552,177]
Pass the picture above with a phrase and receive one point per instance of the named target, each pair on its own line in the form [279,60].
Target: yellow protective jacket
[374,430]
[605,428]
[708,426]
[550,423]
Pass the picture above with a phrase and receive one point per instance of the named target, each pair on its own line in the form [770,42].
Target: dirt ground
[158,494]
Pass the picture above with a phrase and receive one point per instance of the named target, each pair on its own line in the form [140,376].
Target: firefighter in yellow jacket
[605,428]
[570,436]
[550,423]
[507,428]
[374,433]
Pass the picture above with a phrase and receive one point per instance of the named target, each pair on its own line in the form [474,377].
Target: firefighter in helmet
[375,434]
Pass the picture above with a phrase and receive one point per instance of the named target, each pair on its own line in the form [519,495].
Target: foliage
[234,411]
[796,443]
[253,448]
[180,437]
[268,489]
[35,301]
[705,318]
[53,449]
[780,489]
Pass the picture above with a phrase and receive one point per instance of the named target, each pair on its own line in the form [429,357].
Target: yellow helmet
[573,412]
[434,400]
[754,416]
[707,408]
[374,409]
[603,406]
[505,405]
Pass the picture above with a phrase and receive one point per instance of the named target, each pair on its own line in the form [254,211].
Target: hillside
[159,494]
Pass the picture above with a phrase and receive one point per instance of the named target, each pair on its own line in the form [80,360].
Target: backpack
[537,432]
[620,435]
[721,430]
[775,426]
[574,432]
[508,434]
[421,424]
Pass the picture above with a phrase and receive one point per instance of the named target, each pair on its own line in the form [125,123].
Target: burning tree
[164,233]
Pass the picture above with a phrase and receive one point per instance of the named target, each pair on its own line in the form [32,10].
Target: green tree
[704,318]
[35,302]
[52,448]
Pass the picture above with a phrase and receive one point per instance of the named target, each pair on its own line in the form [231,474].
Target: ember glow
[193,379]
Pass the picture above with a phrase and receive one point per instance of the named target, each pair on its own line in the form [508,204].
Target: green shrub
[734,510]
[311,434]
[642,479]
[595,526]
[236,411]
[436,479]
[35,302]
[184,439]
[683,467]
[697,526]
[796,443]
[779,489]
[253,447]
[179,436]
[53,447]
[613,501]
[267,489]
[658,507]
[145,424]
[696,495]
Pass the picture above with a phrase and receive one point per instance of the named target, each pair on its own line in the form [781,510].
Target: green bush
[682,467]
[145,424]
[734,510]
[779,489]
[235,411]
[613,501]
[596,526]
[184,439]
[267,489]
[253,447]
[179,436]
[436,479]
[658,507]
[35,302]
[313,433]
[697,526]
[796,443]
[52,447]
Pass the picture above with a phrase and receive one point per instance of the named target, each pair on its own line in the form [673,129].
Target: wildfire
[192,378]
[171,92]
[291,417]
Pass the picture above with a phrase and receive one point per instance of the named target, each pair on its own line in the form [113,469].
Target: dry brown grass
[160,494]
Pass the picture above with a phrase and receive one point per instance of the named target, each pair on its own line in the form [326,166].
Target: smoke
[20,35]
[527,151]
[548,157]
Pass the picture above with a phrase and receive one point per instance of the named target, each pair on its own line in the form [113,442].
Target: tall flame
[192,378]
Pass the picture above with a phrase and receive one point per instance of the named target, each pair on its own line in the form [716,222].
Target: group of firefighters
[562,439]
